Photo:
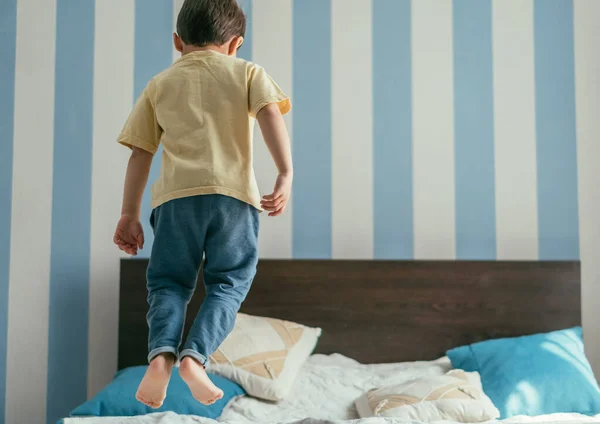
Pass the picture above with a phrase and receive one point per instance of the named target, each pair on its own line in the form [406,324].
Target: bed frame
[386,311]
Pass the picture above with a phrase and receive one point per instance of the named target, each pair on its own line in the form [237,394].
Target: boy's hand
[129,235]
[277,201]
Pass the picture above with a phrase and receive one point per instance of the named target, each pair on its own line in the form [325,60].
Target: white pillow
[264,355]
[454,396]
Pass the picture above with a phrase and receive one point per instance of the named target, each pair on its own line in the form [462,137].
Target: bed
[379,320]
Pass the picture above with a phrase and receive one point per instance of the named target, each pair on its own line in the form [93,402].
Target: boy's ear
[235,43]
[177,42]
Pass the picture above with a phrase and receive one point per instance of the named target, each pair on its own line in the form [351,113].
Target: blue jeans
[225,230]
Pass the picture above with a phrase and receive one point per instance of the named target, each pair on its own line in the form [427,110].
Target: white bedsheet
[327,387]
[171,418]
[324,393]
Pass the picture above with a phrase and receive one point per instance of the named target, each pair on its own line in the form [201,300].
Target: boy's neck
[190,49]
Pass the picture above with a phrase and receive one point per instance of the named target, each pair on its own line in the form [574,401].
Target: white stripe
[587,94]
[272,49]
[28,302]
[176,8]
[351,125]
[113,97]
[433,129]
[514,130]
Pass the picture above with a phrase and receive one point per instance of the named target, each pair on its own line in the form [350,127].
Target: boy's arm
[276,138]
[129,235]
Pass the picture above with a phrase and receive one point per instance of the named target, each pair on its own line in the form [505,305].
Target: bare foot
[196,378]
[153,388]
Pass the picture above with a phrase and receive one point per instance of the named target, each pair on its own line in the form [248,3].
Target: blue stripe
[8,37]
[311,226]
[558,220]
[71,208]
[153,54]
[392,130]
[245,51]
[474,130]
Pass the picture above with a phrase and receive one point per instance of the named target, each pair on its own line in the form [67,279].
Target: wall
[428,129]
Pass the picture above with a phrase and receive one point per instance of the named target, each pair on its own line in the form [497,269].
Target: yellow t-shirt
[202,110]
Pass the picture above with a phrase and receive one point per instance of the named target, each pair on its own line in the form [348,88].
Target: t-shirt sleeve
[142,129]
[262,90]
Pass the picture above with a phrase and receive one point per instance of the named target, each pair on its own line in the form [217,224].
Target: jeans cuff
[197,356]
[165,349]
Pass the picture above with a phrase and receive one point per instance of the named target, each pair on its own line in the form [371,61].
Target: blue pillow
[118,398]
[533,375]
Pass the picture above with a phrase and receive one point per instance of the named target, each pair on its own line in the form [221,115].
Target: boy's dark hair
[204,22]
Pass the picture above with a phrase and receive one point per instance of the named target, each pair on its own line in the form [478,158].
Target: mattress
[324,393]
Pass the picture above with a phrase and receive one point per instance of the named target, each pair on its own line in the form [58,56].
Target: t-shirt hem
[198,191]
[133,141]
[283,103]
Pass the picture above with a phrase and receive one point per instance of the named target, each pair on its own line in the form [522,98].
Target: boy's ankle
[166,358]
[187,361]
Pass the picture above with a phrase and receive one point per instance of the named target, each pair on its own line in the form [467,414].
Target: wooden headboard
[386,311]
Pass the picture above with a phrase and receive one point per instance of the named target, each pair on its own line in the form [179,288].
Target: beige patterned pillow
[264,355]
[455,396]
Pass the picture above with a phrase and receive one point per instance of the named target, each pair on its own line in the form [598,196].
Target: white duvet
[324,393]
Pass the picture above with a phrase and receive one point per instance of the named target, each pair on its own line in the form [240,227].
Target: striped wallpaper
[426,129]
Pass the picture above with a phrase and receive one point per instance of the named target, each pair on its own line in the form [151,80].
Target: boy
[206,200]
